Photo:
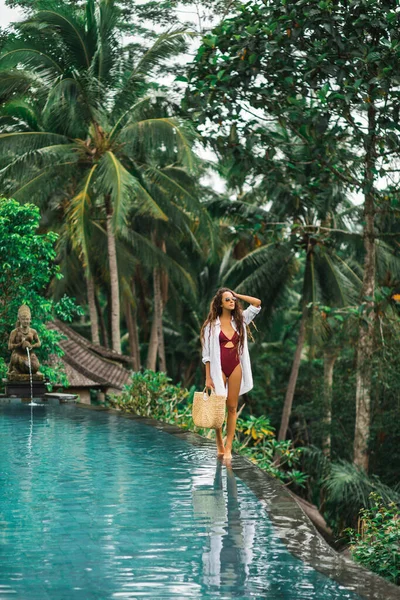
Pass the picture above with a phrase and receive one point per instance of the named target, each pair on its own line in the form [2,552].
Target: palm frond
[16,83]
[78,216]
[175,183]
[125,190]
[208,231]
[167,135]
[235,211]
[166,45]
[352,267]
[69,29]
[176,218]
[265,271]
[316,462]
[338,284]
[22,112]
[387,260]
[64,89]
[38,186]
[68,109]
[150,256]
[349,488]
[27,141]
[104,60]
[70,267]
[24,164]
[32,56]
[133,112]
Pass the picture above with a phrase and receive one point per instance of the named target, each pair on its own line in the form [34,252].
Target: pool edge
[304,541]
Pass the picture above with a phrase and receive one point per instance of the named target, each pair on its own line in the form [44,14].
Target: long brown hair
[216,311]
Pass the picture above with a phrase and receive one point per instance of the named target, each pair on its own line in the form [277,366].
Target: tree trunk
[103,327]
[164,280]
[365,343]
[142,293]
[329,363]
[153,343]
[156,343]
[114,284]
[94,321]
[287,407]
[158,315]
[130,315]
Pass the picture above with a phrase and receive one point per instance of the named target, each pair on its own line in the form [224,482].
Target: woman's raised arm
[253,301]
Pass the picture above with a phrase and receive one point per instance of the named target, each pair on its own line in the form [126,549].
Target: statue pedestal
[22,389]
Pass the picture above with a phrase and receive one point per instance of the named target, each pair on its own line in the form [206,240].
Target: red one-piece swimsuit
[229,356]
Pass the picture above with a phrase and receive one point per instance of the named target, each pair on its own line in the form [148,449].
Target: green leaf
[211,41]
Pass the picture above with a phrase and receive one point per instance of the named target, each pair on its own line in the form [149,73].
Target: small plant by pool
[376,544]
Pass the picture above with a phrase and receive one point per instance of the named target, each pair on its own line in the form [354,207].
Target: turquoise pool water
[94,506]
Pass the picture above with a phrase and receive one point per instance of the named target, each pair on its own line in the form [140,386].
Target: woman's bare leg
[220,442]
[234,381]
[218,433]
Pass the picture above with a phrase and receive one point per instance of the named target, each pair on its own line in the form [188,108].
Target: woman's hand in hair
[248,299]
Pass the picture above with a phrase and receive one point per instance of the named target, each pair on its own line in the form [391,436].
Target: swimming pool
[95,506]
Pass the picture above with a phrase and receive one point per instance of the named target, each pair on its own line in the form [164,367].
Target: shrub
[151,394]
[376,544]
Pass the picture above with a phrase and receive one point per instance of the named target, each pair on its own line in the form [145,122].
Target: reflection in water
[228,553]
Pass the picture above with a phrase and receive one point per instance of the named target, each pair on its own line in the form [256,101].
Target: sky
[7,14]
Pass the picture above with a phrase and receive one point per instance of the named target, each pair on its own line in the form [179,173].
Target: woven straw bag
[208,410]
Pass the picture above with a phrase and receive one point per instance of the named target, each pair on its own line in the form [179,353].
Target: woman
[226,355]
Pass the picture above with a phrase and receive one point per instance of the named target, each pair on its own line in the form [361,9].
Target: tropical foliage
[92,142]
[270,165]
[329,76]
[27,267]
[376,543]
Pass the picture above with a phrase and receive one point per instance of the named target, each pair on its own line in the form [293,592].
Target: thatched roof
[89,365]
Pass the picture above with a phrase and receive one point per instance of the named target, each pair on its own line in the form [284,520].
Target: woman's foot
[220,443]
[228,454]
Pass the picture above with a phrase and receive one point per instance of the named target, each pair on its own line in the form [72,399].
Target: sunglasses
[230,299]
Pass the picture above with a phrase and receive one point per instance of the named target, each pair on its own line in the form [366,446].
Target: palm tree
[89,136]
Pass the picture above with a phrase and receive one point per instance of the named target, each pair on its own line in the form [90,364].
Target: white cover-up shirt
[212,353]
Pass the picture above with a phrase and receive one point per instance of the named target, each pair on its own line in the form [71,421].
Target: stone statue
[21,338]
